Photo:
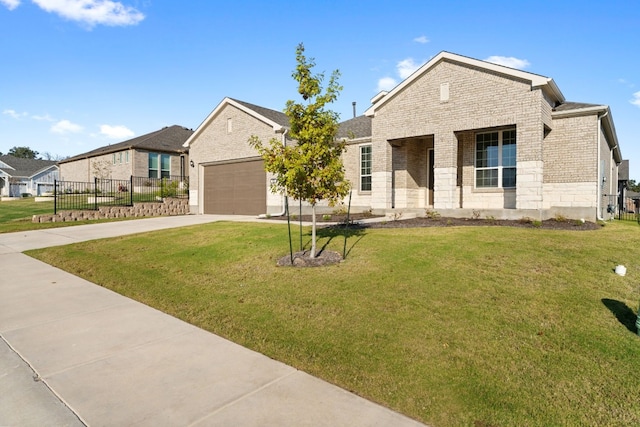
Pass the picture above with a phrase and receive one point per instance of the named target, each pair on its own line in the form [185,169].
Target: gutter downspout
[284,198]
[600,172]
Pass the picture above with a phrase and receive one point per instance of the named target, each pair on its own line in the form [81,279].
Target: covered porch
[441,172]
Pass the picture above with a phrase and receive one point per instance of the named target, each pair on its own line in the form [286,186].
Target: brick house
[20,176]
[157,154]
[459,136]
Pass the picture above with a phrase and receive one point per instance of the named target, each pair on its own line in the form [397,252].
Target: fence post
[55,196]
[131,190]
[95,193]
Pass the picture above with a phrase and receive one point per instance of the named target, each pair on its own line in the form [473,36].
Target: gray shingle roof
[568,106]
[273,115]
[166,140]
[24,167]
[358,127]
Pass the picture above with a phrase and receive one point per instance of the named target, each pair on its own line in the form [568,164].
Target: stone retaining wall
[170,207]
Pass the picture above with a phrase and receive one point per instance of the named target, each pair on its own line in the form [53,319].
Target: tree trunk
[313,231]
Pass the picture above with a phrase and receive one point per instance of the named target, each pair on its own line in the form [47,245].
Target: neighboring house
[459,136]
[158,154]
[20,176]
[632,202]
[623,186]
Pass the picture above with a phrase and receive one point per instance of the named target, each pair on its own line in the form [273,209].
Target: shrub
[560,218]
[340,209]
[431,214]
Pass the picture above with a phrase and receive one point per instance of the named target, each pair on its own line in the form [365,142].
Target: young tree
[23,152]
[311,169]
[101,169]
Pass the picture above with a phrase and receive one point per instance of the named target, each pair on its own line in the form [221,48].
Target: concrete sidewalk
[103,359]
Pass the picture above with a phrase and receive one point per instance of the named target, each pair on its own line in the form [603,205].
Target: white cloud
[636,99]
[92,12]
[10,4]
[13,114]
[421,40]
[65,126]
[406,67]
[386,84]
[509,61]
[116,132]
[45,118]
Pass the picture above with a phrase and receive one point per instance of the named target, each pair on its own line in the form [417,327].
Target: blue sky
[80,74]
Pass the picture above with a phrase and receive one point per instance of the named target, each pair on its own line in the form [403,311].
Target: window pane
[365,184]
[166,162]
[487,150]
[153,173]
[509,148]
[365,167]
[153,161]
[508,177]
[486,178]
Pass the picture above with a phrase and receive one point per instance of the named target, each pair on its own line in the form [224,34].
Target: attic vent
[444,92]
[229,126]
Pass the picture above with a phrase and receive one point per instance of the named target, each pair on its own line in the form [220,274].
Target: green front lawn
[475,326]
[16,215]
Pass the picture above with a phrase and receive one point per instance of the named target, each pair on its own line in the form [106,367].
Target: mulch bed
[354,219]
[302,259]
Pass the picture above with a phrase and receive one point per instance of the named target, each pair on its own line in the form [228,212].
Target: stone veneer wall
[170,207]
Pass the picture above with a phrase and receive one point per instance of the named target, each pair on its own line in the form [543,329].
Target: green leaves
[310,169]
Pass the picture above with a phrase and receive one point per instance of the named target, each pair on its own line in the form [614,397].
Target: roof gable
[537,81]
[277,120]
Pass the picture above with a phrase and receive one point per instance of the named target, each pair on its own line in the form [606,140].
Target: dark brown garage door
[235,188]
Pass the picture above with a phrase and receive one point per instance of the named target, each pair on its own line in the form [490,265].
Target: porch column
[530,167]
[445,147]
[381,175]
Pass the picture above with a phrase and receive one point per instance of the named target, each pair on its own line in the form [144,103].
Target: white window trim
[500,166]
[360,174]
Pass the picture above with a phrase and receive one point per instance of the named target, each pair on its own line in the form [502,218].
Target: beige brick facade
[478,100]
[477,97]
[566,154]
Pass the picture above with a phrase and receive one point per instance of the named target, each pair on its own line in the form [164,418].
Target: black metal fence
[74,195]
[629,210]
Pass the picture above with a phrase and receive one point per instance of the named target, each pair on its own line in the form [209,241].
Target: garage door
[235,188]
